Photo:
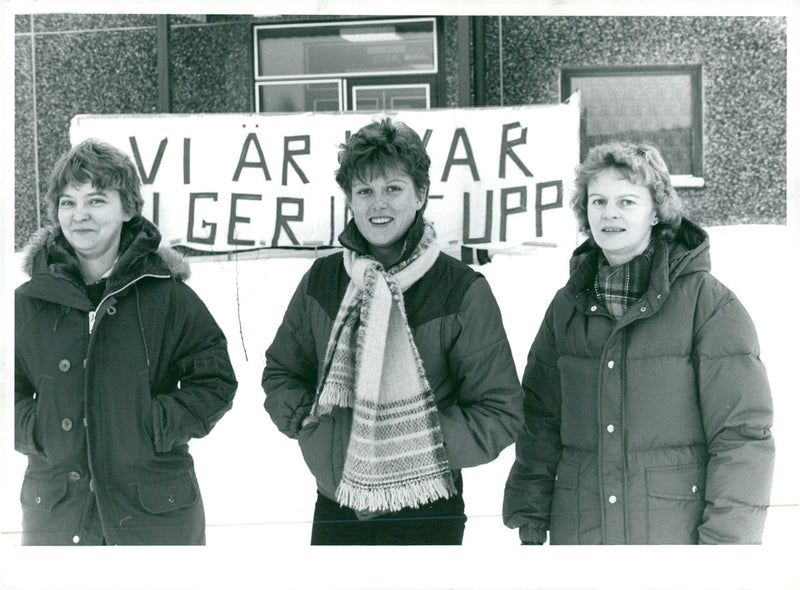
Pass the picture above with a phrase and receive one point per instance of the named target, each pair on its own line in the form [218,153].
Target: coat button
[171,499]
[610,364]
[694,489]
[66,424]
[74,475]
[76,539]
[64,365]
[38,500]
[643,309]
[610,428]
[612,499]
[593,308]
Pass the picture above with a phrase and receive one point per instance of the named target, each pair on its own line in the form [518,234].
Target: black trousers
[438,523]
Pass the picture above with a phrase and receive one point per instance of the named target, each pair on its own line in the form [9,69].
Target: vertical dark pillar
[479,53]
[164,65]
[464,62]
[477,26]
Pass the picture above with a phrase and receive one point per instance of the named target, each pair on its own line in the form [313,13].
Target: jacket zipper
[623,367]
[92,319]
[93,314]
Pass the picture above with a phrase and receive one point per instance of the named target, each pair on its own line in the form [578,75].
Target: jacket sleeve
[290,375]
[198,355]
[736,406]
[529,488]
[487,414]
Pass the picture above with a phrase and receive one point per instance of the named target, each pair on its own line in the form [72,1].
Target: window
[660,105]
[338,66]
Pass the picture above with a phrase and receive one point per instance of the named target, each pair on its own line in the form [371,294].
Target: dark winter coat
[651,429]
[107,399]
[457,328]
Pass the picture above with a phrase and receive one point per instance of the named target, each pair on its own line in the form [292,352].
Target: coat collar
[352,239]
[55,273]
[688,252]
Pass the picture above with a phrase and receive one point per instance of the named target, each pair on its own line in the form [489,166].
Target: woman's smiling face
[384,208]
[621,216]
[91,220]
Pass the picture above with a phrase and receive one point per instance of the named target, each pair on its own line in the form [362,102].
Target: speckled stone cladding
[743,84]
[68,64]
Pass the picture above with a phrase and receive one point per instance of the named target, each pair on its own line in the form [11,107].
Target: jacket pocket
[316,443]
[675,503]
[166,495]
[42,494]
[45,406]
[565,509]
[144,401]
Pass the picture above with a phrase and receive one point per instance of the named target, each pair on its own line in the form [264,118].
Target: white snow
[259,496]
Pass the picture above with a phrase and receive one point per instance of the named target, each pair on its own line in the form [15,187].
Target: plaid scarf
[619,287]
[395,457]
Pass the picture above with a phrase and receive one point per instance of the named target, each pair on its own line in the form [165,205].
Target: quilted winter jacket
[106,399]
[458,330]
[654,429]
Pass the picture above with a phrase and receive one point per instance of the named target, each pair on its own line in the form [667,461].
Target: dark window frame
[695,72]
[437,80]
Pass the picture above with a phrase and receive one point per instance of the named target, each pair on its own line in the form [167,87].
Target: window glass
[291,97]
[400,46]
[657,106]
[376,98]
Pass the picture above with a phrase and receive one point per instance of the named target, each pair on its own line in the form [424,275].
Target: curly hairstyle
[640,164]
[379,147]
[100,164]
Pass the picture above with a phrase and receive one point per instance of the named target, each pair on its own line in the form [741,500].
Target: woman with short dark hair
[118,365]
[391,366]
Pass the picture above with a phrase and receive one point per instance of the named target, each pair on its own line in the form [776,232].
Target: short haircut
[101,164]
[640,164]
[379,147]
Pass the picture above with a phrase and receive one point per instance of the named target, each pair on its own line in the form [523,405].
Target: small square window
[392,97]
[299,96]
[659,105]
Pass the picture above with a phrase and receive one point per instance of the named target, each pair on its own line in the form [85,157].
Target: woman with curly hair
[647,408]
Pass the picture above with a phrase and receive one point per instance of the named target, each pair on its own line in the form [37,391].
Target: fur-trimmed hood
[48,251]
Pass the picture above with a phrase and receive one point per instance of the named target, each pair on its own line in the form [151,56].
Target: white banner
[222,182]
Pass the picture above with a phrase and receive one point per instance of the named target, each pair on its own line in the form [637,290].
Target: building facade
[710,91]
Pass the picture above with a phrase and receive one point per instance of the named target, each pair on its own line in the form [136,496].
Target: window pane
[375,98]
[347,48]
[641,107]
[291,97]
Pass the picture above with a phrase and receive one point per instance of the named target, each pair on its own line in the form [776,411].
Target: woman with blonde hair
[647,408]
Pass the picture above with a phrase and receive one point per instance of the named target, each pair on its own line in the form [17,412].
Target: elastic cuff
[530,535]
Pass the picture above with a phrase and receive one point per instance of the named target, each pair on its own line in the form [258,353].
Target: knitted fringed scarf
[396,456]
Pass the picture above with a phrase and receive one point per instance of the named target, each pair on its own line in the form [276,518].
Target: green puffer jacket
[654,429]
[107,398]
[458,330]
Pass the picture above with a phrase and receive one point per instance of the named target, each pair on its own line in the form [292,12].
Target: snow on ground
[256,488]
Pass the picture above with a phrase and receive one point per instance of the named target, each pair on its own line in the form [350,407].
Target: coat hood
[49,252]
